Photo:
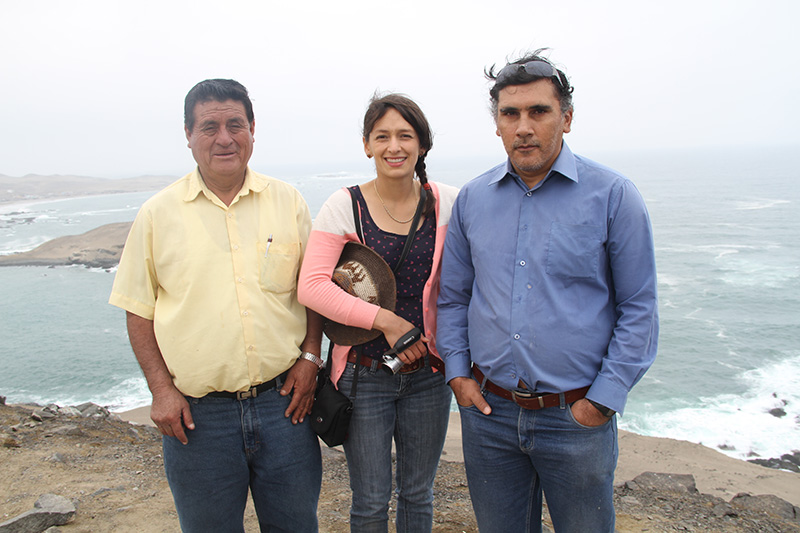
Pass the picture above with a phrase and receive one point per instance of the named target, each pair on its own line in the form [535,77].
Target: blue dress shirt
[553,286]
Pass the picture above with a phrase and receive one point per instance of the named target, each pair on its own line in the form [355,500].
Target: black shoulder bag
[332,410]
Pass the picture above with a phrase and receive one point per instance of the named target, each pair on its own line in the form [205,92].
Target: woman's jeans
[514,454]
[414,410]
[240,445]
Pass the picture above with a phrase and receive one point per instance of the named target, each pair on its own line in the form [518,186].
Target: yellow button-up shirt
[219,282]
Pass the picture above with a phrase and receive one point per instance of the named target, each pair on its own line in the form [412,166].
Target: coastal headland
[100,247]
[35,188]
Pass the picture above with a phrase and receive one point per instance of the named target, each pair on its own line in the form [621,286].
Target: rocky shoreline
[111,472]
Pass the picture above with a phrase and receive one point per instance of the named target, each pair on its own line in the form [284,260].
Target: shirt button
[245,313]
[240,279]
[230,215]
[516,337]
[529,194]
[251,347]
[530,286]
[522,263]
[235,246]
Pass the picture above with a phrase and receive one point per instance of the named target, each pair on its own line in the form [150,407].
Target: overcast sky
[96,87]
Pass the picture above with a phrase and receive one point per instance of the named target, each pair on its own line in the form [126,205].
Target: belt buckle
[252,392]
[524,394]
[413,367]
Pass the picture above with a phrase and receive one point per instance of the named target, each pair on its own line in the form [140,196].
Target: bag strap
[359,351]
[327,370]
[411,232]
[356,215]
[423,195]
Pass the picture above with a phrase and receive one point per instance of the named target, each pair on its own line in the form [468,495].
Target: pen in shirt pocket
[269,243]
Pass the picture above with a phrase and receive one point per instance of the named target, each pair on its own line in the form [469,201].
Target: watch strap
[308,356]
[605,411]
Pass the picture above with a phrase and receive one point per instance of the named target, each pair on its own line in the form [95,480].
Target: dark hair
[411,113]
[217,90]
[521,77]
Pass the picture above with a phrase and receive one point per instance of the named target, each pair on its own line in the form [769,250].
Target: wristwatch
[605,411]
[308,356]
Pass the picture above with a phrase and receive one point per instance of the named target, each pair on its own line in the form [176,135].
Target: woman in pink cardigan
[412,407]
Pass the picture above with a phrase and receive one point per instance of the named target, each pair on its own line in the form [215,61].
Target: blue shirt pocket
[573,250]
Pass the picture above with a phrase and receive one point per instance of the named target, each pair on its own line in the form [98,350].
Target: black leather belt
[252,392]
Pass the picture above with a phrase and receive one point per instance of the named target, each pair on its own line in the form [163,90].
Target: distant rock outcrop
[33,187]
[99,248]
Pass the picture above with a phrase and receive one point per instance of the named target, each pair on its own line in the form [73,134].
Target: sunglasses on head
[537,67]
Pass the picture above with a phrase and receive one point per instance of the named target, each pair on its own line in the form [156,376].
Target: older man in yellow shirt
[208,278]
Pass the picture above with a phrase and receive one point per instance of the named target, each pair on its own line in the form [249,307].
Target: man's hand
[587,414]
[302,381]
[170,412]
[468,392]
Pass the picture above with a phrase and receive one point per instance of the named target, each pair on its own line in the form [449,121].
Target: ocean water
[727,229]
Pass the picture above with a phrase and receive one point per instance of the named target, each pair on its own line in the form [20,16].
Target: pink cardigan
[333,227]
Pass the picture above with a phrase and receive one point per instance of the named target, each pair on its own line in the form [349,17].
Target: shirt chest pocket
[279,263]
[573,250]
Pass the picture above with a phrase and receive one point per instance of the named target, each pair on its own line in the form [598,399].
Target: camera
[391,363]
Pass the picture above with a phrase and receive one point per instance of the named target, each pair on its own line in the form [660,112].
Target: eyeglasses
[537,67]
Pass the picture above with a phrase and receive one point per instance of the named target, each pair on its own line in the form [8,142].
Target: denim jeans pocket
[572,417]
[349,373]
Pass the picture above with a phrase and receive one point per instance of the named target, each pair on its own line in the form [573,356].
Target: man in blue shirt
[547,313]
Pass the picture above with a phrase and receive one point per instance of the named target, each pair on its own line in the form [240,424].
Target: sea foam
[764,421]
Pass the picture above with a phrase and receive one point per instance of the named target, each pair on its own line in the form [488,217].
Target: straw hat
[362,273]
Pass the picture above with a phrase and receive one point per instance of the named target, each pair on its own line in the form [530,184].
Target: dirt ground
[113,472]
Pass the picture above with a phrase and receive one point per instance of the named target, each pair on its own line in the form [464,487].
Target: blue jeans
[414,410]
[241,445]
[514,454]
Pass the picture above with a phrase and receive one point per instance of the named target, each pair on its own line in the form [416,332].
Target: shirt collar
[564,165]
[252,182]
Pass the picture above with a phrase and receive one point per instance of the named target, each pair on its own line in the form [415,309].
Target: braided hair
[411,113]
